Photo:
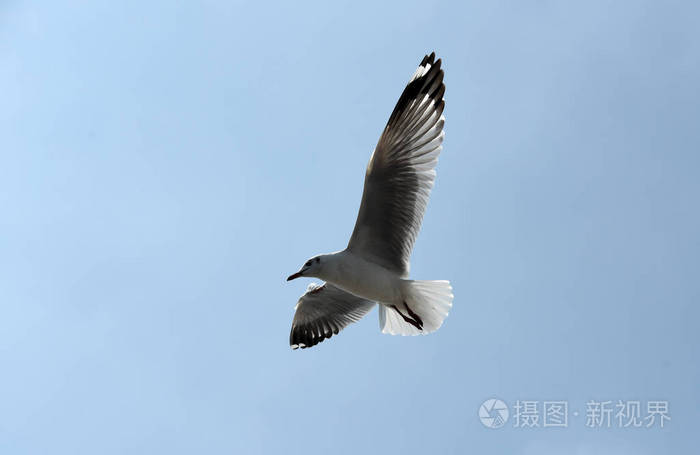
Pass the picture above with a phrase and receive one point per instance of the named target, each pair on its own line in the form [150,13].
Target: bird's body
[375,265]
[361,277]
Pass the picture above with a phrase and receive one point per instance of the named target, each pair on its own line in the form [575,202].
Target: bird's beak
[294,276]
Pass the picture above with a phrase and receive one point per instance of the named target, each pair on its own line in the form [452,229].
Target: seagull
[374,268]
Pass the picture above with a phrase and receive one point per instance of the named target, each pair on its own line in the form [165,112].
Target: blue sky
[164,166]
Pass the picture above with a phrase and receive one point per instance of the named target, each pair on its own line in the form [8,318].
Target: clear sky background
[165,165]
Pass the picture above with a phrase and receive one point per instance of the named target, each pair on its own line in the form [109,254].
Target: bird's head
[310,268]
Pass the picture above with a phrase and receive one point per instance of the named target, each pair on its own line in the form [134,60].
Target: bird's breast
[366,279]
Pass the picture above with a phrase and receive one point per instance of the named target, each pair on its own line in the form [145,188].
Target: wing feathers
[401,172]
[323,311]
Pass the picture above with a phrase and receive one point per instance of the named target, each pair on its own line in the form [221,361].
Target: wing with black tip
[323,311]
[401,172]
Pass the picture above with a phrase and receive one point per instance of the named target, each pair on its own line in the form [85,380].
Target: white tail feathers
[426,304]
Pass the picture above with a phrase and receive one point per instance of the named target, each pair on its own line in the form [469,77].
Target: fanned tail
[423,311]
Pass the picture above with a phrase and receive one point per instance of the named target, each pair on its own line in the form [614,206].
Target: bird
[374,267]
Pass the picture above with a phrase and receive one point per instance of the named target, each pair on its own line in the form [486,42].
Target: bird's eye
[318,259]
[308,263]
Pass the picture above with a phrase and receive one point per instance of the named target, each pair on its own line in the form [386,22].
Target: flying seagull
[374,267]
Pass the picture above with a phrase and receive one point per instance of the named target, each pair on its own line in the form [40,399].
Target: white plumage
[375,265]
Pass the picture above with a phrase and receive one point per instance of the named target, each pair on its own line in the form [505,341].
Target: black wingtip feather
[439,93]
[304,337]
[431,82]
[305,342]
[428,59]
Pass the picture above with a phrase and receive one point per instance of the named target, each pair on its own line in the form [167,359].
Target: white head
[312,268]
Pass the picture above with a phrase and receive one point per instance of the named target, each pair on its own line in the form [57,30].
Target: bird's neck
[332,266]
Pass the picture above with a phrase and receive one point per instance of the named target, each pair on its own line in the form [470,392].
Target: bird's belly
[370,281]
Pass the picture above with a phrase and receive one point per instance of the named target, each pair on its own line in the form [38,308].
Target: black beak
[294,276]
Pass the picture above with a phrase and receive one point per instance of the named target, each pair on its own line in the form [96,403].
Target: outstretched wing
[401,172]
[323,311]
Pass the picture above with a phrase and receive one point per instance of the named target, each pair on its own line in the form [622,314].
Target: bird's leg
[414,316]
[413,322]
